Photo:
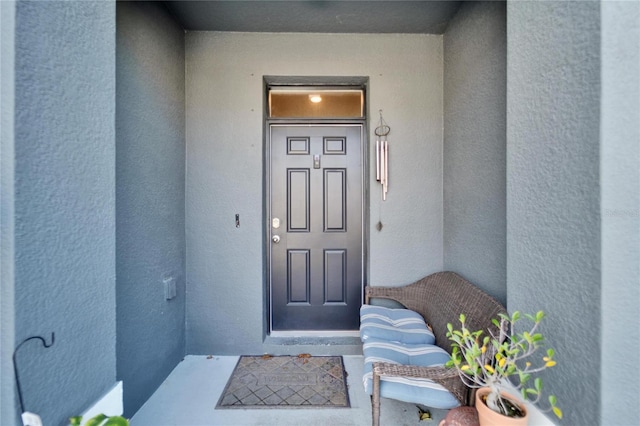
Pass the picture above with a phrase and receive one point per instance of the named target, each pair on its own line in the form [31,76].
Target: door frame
[319,84]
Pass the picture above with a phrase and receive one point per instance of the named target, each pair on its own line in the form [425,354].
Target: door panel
[335,194]
[298,202]
[316,197]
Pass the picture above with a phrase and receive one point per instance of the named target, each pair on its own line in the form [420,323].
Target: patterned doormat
[301,381]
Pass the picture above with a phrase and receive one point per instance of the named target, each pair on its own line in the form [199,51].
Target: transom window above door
[314,103]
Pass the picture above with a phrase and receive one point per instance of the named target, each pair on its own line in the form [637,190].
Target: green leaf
[538,384]
[539,316]
[116,421]
[462,318]
[75,421]
[516,316]
[96,421]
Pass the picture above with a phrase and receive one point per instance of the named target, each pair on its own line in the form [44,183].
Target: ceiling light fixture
[315,98]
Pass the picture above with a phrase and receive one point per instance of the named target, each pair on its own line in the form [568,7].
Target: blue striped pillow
[398,325]
[408,389]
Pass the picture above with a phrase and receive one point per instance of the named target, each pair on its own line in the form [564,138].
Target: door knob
[275,239]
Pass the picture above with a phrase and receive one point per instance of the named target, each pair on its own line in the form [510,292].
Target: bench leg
[375,400]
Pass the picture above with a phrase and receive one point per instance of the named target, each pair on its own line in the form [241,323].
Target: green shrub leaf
[116,421]
[96,421]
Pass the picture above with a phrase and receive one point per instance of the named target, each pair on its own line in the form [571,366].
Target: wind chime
[382,156]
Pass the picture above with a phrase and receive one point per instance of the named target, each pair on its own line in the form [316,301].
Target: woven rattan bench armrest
[381,292]
[369,292]
[447,377]
[399,370]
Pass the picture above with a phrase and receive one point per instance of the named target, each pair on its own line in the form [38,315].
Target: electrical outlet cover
[169,288]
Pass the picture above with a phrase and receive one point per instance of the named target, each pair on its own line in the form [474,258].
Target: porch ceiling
[350,16]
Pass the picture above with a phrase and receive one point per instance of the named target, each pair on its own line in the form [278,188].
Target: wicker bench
[440,299]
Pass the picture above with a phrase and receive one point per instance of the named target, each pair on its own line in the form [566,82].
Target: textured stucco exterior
[553,195]
[620,212]
[7,287]
[150,169]
[64,200]
[225,265]
[474,146]
[572,187]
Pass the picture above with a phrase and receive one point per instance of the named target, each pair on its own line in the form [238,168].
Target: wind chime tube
[383,168]
[377,159]
[386,168]
[385,183]
[382,156]
[381,163]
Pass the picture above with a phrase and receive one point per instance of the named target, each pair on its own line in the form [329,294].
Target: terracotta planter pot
[488,417]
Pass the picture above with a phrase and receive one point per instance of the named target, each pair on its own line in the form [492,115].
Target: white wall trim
[110,404]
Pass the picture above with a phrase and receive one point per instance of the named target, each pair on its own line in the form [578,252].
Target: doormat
[302,381]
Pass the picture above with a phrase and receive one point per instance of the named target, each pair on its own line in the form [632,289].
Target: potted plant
[100,420]
[494,364]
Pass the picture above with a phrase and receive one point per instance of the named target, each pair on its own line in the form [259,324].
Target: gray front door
[316,226]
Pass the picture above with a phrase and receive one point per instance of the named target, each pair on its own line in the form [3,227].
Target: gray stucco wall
[475,84]
[150,167]
[553,196]
[7,295]
[65,203]
[225,264]
[620,201]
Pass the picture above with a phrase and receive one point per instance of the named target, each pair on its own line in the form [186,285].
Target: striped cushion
[416,390]
[399,325]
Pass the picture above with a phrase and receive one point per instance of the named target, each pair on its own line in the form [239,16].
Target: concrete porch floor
[189,395]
